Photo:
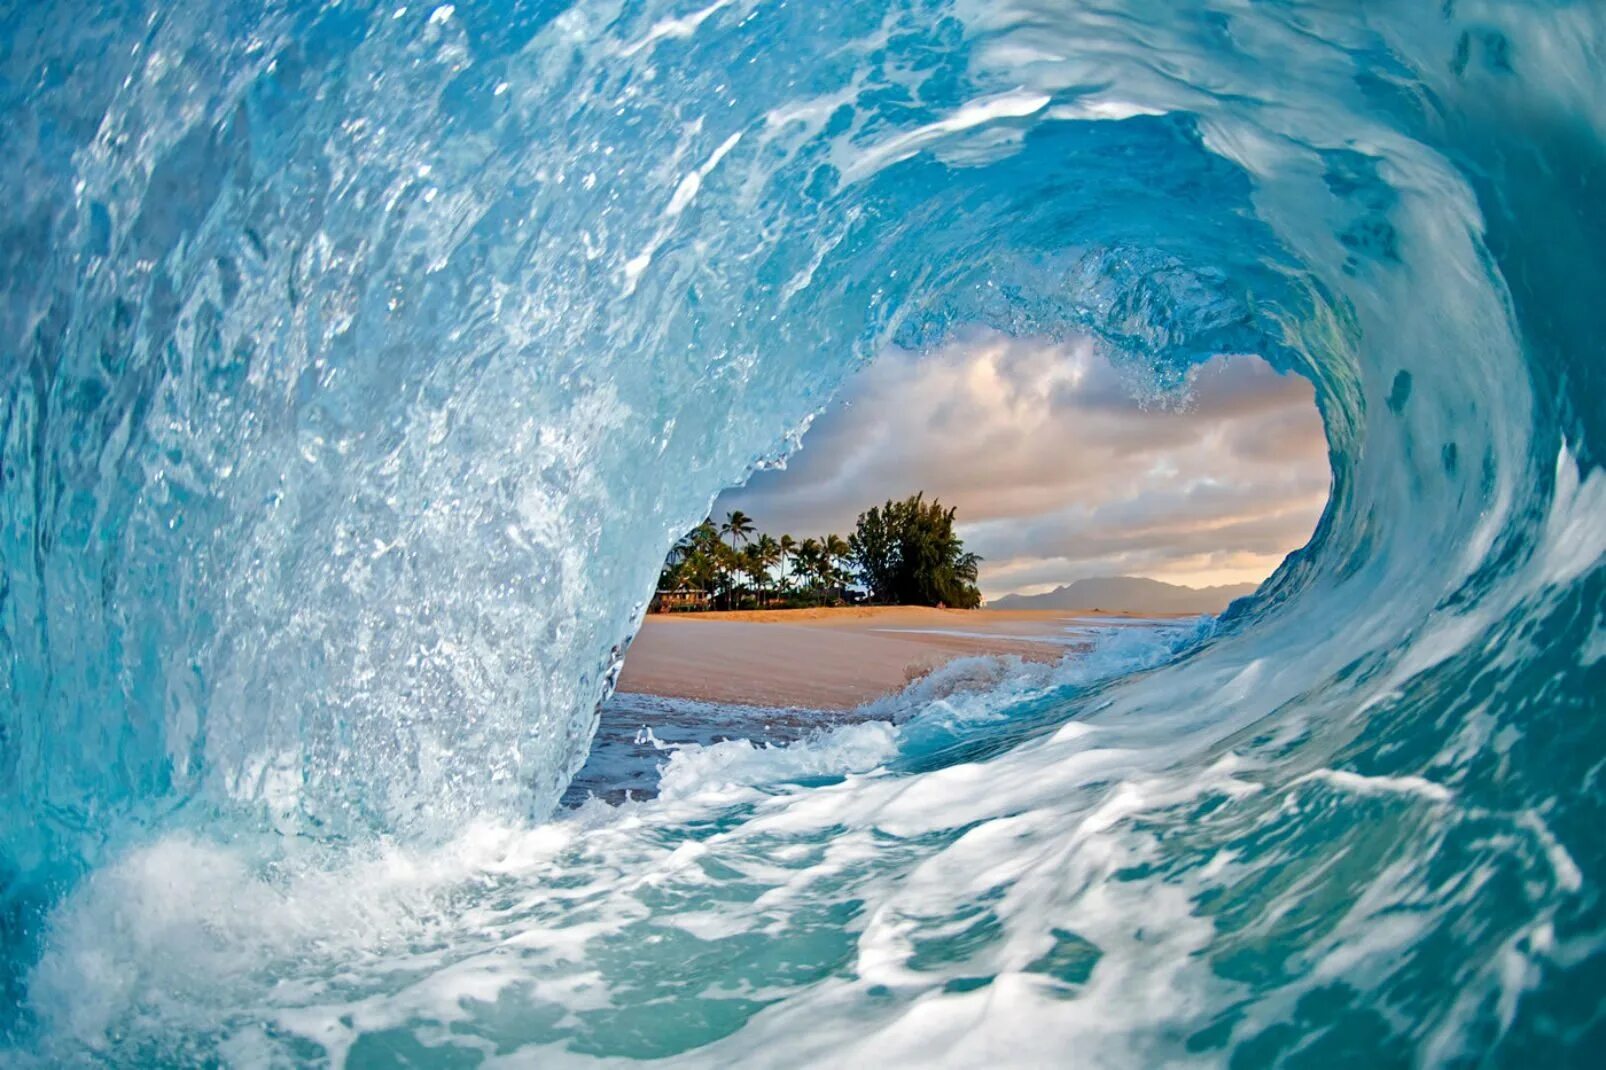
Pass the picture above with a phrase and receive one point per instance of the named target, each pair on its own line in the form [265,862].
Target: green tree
[874,545]
[738,525]
[908,553]
[836,551]
[788,547]
[811,562]
[753,566]
[768,555]
[697,570]
[727,568]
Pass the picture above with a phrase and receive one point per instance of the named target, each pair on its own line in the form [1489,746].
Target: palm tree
[753,564]
[727,563]
[704,536]
[811,559]
[836,549]
[697,570]
[738,525]
[768,554]
[788,547]
[833,549]
[771,548]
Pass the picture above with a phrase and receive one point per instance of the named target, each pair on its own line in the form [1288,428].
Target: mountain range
[1131,594]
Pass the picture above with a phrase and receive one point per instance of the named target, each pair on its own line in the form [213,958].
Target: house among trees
[681,598]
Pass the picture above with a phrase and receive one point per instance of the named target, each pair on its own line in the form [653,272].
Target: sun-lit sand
[825,658]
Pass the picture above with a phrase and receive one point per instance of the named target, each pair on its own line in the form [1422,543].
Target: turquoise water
[363,361]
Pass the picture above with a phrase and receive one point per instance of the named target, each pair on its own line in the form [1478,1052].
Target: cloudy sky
[1059,470]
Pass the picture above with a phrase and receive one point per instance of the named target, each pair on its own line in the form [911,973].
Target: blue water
[362,362]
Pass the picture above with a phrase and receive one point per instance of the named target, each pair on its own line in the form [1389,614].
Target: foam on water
[364,360]
[252,949]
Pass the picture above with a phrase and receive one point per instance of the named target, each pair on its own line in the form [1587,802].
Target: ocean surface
[362,361]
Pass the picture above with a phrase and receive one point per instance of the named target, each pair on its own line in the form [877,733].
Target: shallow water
[638,734]
[364,360]
[1067,631]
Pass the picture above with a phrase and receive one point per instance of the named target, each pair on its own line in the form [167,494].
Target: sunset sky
[1061,468]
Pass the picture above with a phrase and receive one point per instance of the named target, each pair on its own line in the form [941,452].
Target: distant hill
[1129,594]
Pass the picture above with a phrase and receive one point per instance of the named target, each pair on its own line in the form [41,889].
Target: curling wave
[364,358]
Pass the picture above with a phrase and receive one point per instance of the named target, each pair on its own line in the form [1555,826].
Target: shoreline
[833,658]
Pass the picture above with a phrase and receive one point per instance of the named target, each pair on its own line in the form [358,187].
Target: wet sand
[829,659]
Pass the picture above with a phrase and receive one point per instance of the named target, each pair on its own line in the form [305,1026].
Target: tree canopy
[907,553]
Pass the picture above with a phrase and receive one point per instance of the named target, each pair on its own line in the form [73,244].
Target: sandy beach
[827,658]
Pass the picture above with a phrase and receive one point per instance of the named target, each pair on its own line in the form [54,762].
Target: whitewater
[362,361]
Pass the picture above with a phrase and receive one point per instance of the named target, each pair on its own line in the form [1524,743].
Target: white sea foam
[1004,916]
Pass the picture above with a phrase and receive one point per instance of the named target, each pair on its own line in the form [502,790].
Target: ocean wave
[366,358]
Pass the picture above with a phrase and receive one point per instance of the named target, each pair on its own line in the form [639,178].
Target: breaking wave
[364,360]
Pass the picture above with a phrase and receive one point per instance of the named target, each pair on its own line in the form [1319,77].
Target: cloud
[1063,466]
